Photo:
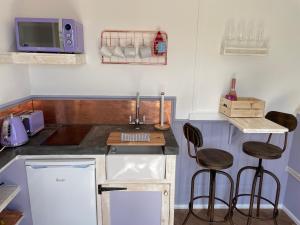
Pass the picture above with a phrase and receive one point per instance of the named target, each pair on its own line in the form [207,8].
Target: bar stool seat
[262,150]
[214,159]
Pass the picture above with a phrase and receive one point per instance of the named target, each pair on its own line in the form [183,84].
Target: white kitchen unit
[62,192]
[136,189]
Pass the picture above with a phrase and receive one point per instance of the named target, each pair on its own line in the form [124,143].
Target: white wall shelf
[42,58]
[247,51]
[7,194]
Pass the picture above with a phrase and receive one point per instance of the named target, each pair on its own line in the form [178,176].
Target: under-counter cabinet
[146,204]
[130,189]
[136,189]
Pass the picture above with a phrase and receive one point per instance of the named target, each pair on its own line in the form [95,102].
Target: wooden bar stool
[214,160]
[262,151]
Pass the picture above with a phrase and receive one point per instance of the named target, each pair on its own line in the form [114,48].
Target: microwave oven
[49,35]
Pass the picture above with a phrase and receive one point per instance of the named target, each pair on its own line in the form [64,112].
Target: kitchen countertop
[94,143]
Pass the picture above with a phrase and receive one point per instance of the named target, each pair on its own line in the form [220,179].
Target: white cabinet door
[140,204]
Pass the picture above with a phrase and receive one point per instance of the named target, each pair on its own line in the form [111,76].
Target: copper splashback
[100,111]
[92,111]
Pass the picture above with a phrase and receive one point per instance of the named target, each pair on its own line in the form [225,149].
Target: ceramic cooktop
[68,135]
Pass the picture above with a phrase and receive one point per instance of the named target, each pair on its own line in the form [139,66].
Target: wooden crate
[243,107]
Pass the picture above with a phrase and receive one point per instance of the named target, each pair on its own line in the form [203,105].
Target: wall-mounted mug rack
[133,47]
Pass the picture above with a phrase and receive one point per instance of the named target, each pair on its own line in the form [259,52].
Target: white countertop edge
[260,131]
[208,116]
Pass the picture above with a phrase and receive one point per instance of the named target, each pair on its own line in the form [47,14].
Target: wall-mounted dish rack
[244,38]
[122,38]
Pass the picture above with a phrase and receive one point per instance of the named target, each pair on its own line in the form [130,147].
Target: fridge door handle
[105,189]
[38,167]
[59,166]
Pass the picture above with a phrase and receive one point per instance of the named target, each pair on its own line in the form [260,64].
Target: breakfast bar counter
[256,125]
[246,125]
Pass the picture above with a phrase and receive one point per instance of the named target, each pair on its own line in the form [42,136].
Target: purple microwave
[49,35]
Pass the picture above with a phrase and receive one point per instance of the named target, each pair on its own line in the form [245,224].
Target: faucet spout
[137,121]
[137,109]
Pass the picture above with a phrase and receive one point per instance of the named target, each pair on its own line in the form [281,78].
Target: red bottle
[232,93]
[159,45]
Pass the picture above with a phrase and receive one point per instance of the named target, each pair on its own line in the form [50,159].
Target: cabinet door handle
[103,189]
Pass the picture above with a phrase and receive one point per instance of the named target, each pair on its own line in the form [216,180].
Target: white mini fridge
[62,192]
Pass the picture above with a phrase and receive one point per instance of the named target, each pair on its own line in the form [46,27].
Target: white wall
[174,16]
[196,73]
[14,80]
[274,78]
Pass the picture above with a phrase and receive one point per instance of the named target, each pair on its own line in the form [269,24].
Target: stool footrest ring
[228,214]
[275,212]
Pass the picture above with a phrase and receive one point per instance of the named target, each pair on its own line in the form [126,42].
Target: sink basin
[135,167]
[135,158]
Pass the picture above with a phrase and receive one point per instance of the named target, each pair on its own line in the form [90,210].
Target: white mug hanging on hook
[130,50]
[145,51]
[105,50]
[118,50]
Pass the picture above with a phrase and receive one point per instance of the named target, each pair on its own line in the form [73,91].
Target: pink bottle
[232,93]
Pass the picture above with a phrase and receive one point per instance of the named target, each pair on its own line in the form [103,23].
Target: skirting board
[291,215]
[293,173]
[244,206]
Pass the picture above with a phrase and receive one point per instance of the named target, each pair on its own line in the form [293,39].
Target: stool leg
[212,193]
[275,212]
[230,210]
[191,203]
[238,182]
[252,197]
[261,177]
[187,216]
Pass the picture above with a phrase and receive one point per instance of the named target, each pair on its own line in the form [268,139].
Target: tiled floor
[237,219]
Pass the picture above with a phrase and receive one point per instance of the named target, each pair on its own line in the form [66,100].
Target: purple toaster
[33,121]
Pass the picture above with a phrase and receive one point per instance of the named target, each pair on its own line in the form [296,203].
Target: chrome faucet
[137,121]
